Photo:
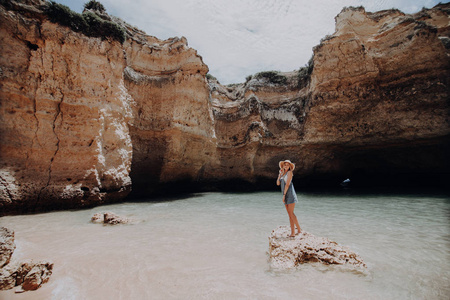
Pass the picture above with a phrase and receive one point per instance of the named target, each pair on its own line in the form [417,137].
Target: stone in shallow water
[38,275]
[109,218]
[28,275]
[286,252]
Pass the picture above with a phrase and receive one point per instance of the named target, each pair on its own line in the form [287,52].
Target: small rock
[288,252]
[98,218]
[39,274]
[109,218]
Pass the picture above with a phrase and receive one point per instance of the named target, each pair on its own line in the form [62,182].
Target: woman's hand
[279,176]
[284,199]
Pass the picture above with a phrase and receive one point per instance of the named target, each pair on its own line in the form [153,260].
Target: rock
[7,245]
[38,275]
[28,274]
[7,278]
[109,218]
[98,218]
[21,270]
[286,252]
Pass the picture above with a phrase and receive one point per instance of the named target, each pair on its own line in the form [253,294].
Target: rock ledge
[288,252]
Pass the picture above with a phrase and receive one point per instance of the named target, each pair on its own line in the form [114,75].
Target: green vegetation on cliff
[87,23]
[272,76]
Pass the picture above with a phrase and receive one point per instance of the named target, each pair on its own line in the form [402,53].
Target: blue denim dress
[291,197]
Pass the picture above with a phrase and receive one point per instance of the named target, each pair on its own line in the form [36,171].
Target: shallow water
[214,246]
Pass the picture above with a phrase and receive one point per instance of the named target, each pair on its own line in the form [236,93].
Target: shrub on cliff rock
[95,5]
[63,15]
[102,28]
[304,73]
[87,23]
[210,77]
[272,76]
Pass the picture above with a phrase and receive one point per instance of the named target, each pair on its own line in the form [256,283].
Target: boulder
[38,275]
[28,275]
[98,218]
[286,252]
[7,245]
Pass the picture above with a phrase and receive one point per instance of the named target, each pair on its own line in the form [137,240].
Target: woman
[289,196]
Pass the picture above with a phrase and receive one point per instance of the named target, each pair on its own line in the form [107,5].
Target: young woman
[289,196]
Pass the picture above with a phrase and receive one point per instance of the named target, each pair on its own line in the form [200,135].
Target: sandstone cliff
[171,131]
[375,106]
[64,113]
[83,118]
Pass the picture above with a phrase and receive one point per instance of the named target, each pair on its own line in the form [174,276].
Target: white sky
[237,38]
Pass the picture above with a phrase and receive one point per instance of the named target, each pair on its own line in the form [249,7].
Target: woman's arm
[279,175]
[288,182]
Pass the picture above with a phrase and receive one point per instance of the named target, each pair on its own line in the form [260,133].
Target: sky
[237,38]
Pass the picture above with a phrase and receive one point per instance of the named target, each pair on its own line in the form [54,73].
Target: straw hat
[286,161]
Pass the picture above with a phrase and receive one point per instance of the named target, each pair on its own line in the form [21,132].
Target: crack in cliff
[57,114]
[4,182]
[35,137]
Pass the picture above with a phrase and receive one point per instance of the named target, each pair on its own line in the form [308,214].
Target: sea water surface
[214,246]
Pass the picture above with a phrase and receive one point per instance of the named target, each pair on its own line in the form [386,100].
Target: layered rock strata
[64,115]
[83,117]
[171,131]
[375,106]
[286,252]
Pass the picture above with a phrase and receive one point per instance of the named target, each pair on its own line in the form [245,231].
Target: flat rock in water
[286,252]
[109,218]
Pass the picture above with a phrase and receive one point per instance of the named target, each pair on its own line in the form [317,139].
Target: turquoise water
[214,246]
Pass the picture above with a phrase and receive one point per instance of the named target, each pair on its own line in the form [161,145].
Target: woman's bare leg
[293,218]
[290,211]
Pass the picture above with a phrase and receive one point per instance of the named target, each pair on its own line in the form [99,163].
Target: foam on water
[214,246]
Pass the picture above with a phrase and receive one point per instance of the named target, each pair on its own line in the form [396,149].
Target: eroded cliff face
[257,124]
[376,106]
[379,94]
[83,119]
[65,141]
[171,131]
